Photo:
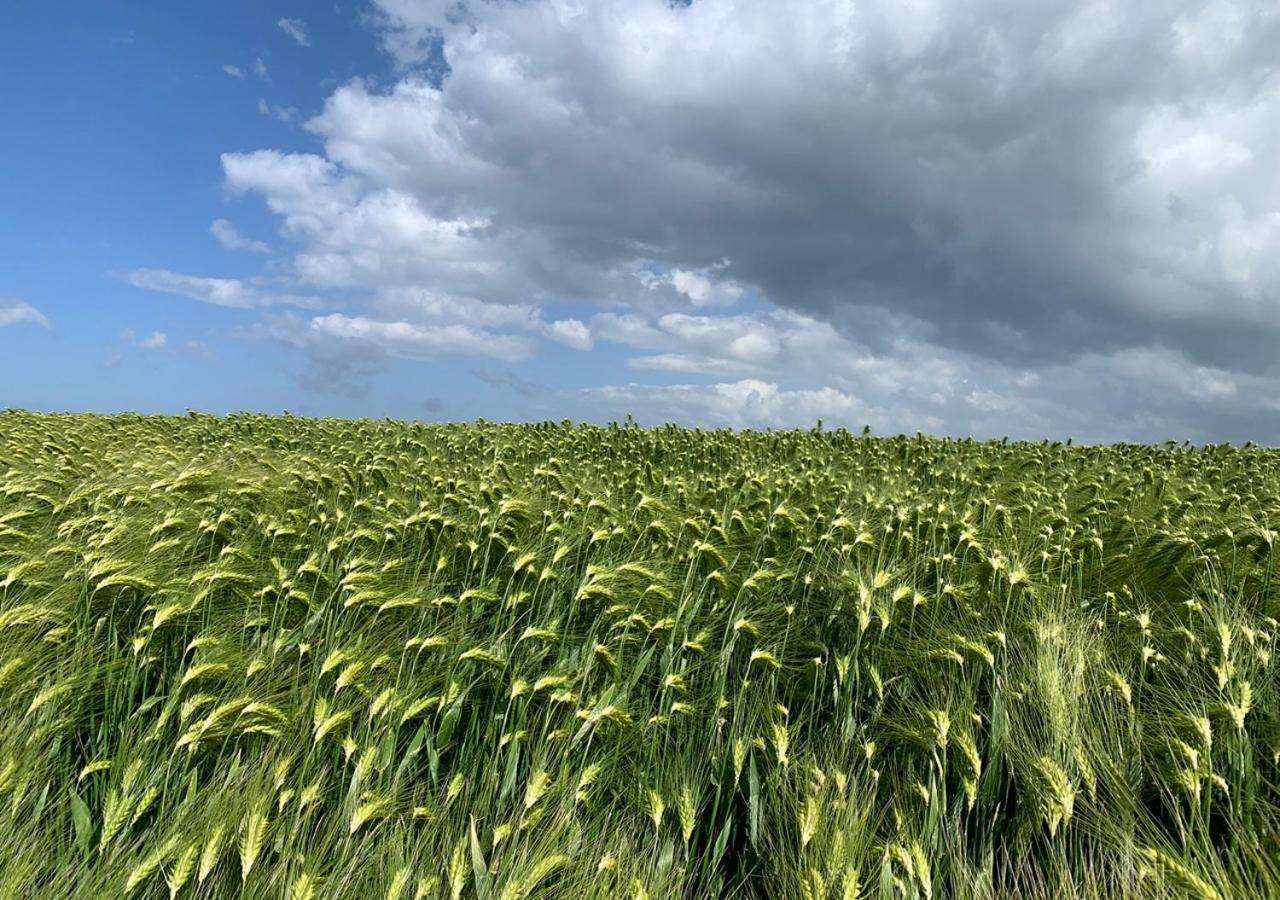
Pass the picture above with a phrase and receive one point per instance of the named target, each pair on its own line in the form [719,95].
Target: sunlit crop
[278,657]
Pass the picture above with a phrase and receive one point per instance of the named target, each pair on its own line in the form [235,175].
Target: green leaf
[513,769]
[411,753]
[450,720]
[83,822]
[479,870]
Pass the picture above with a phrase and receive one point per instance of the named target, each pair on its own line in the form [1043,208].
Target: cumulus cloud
[1013,183]
[572,333]
[975,217]
[233,71]
[14,311]
[296,29]
[230,239]
[699,287]
[156,340]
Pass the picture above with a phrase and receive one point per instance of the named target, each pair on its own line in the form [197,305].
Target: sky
[1032,218]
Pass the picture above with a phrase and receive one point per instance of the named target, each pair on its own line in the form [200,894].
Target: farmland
[279,657]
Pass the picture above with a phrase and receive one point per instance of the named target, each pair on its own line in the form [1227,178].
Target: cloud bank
[970,217]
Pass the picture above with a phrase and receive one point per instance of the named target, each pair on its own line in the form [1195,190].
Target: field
[290,658]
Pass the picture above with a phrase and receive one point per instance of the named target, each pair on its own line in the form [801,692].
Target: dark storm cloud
[1023,179]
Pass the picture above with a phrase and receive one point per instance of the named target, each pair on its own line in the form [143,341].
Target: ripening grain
[274,657]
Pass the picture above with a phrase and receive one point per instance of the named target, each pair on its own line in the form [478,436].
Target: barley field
[288,658]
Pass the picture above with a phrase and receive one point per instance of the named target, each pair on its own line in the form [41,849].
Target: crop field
[290,658]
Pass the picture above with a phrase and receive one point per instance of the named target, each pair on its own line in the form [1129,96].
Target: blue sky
[113,163]
[951,219]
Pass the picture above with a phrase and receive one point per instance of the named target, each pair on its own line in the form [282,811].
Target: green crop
[278,657]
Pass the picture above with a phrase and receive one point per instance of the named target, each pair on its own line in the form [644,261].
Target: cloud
[233,71]
[1138,393]
[296,29]
[14,311]
[196,349]
[356,237]
[230,239]
[129,341]
[973,218]
[229,292]
[260,69]
[340,350]
[740,404]
[995,179]
[282,113]
[406,340]
[771,341]
[571,333]
[700,287]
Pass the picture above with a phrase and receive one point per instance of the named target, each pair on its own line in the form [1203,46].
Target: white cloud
[410,341]
[14,311]
[1130,394]
[260,69]
[774,342]
[283,113]
[228,292]
[1147,393]
[685,364]
[572,333]
[703,288]
[230,239]
[359,238]
[233,71]
[423,304]
[748,403]
[156,340]
[296,29]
